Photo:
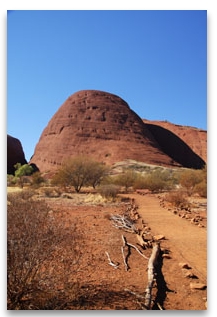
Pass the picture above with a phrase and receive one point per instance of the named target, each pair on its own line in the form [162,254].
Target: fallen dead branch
[151,274]
[133,246]
[135,294]
[125,258]
[159,306]
[111,262]
[129,245]
[122,222]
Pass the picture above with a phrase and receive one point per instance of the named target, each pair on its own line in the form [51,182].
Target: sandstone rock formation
[15,154]
[186,145]
[101,125]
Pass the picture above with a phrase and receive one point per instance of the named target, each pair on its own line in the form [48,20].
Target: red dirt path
[107,288]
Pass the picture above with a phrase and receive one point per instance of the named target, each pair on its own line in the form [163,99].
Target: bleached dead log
[129,245]
[151,274]
[125,258]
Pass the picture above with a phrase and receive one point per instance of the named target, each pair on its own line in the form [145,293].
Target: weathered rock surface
[186,145]
[15,154]
[101,125]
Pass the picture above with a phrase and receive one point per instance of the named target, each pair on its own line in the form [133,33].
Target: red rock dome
[98,124]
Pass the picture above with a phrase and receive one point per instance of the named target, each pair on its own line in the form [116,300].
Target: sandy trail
[189,241]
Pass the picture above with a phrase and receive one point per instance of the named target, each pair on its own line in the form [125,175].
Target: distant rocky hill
[15,154]
[101,125]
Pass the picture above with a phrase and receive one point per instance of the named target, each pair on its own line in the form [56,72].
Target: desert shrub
[155,182]
[42,256]
[109,191]
[26,194]
[107,180]
[201,189]
[11,181]
[177,199]
[140,182]
[126,179]
[190,178]
[37,179]
[51,192]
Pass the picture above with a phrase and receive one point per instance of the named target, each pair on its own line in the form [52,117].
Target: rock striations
[100,125]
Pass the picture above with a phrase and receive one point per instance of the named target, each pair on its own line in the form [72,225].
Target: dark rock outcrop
[15,154]
[100,125]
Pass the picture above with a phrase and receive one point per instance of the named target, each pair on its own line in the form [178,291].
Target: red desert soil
[108,288]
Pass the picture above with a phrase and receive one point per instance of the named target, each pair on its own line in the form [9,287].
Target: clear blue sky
[155,60]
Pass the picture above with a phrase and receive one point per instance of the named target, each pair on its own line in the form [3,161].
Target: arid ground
[182,261]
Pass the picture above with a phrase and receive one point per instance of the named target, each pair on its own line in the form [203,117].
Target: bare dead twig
[133,246]
[115,266]
[133,293]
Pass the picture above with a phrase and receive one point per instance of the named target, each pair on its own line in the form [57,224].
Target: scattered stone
[184,266]
[159,237]
[166,256]
[199,286]
[189,274]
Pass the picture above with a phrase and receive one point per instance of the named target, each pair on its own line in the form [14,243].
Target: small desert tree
[96,172]
[22,171]
[78,172]
[126,179]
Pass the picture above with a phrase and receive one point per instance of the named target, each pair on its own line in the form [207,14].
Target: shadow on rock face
[176,148]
